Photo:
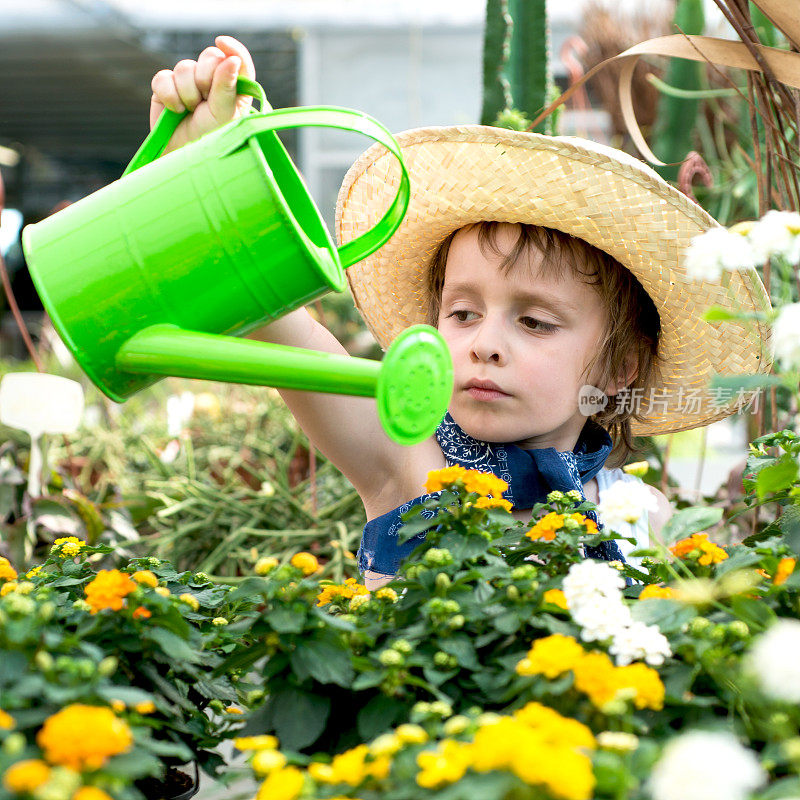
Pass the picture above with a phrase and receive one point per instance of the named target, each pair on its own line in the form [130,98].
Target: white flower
[588,579]
[625,501]
[786,336]
[640,642]
[705,766]
[775,661]
[714,251]
[602,620]
[776,234]
[618,740]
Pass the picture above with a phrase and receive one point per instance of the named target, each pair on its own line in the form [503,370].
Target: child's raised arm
[346,429]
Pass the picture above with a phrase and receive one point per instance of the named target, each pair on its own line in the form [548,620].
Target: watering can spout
[412,384]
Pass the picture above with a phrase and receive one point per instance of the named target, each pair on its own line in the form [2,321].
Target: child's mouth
[485,395]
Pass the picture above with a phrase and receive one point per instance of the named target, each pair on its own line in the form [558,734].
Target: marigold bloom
[141,613]
[698,546]
[283,784]
[551,656]
[67,546]
[547,527]
[145,578]
[26,776]
[91,793]
[83,737]
[7,722]
[108,590]
[7,572]
[654,590]
[439,479]
[556,597]
[493,502]
[306,562]
[785,569]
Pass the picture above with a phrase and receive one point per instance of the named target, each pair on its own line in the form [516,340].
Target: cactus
[673,132]
[517,82]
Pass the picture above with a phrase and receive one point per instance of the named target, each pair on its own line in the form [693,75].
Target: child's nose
[487,345]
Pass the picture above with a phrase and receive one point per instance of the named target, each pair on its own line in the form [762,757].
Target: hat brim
[466,174]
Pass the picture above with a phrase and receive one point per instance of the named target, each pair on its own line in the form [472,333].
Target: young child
[552,268]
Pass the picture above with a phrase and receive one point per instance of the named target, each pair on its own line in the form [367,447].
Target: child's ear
[626,376]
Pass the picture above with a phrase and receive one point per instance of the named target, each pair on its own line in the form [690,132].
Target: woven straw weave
[461,175]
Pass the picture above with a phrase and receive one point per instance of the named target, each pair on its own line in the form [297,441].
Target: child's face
[530,334]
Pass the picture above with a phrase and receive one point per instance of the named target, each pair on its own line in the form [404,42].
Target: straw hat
[466,174]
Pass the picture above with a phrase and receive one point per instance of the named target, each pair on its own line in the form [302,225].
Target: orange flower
[91,793]
[590,524]
[438,479]
[26,776]
[654,590]
[484,483]
[146,578]
[83,737]
[7,572]
[141,613]
[547,527]
[698,546]
[108,590]
[785,569]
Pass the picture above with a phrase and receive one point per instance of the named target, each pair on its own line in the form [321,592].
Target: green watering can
[156,273]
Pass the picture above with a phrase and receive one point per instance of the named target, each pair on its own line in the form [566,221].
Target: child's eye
[461,314]
[537,325]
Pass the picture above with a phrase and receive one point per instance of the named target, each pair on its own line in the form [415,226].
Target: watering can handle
[152,147]
[311,116]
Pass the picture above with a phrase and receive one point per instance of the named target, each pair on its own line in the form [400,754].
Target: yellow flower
[439,479]
[190,600]
[552,656]
[350,767]
[590,524]
[256,742]
[484,483]
[7,588]
[91,793]
[306,562]
[233,710]
[785,569]
[67,546]
[145,578]
[556,597]
[162,590]
[7,722]
[554,728]
[349,589]
[265,565]
[647,683]
[108,590]
[32,573]
[446,764]
[411,734]
[145,707]
[83,737]
[7,572]
[654,590]
[321,773]
[547,527]
[117,706]
[493,502]
[387,744]
[26,776]
[386,594]
[266,761]
[283,784]
[595,676]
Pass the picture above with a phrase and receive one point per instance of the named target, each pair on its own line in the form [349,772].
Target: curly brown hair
[633,328]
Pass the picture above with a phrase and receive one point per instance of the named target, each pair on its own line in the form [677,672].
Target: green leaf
[129,695]
[668,615]
[378,715]
[756,613]
[777,477]
[172,645]
[298,717]
[687,521]
[323,660]
[789,523]
[134,764]
[461,647]
[287,620]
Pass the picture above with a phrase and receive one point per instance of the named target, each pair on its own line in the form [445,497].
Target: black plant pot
[175,785]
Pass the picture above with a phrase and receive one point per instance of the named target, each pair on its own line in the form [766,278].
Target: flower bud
[108,666]
[512,593]
[403,646]
[443,581]
[14,744]
[43,660]
[391,658]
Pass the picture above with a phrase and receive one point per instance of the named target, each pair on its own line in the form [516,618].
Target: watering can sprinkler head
[158,273]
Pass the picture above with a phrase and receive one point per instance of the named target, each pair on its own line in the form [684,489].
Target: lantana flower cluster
[593,591]
[698,547]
